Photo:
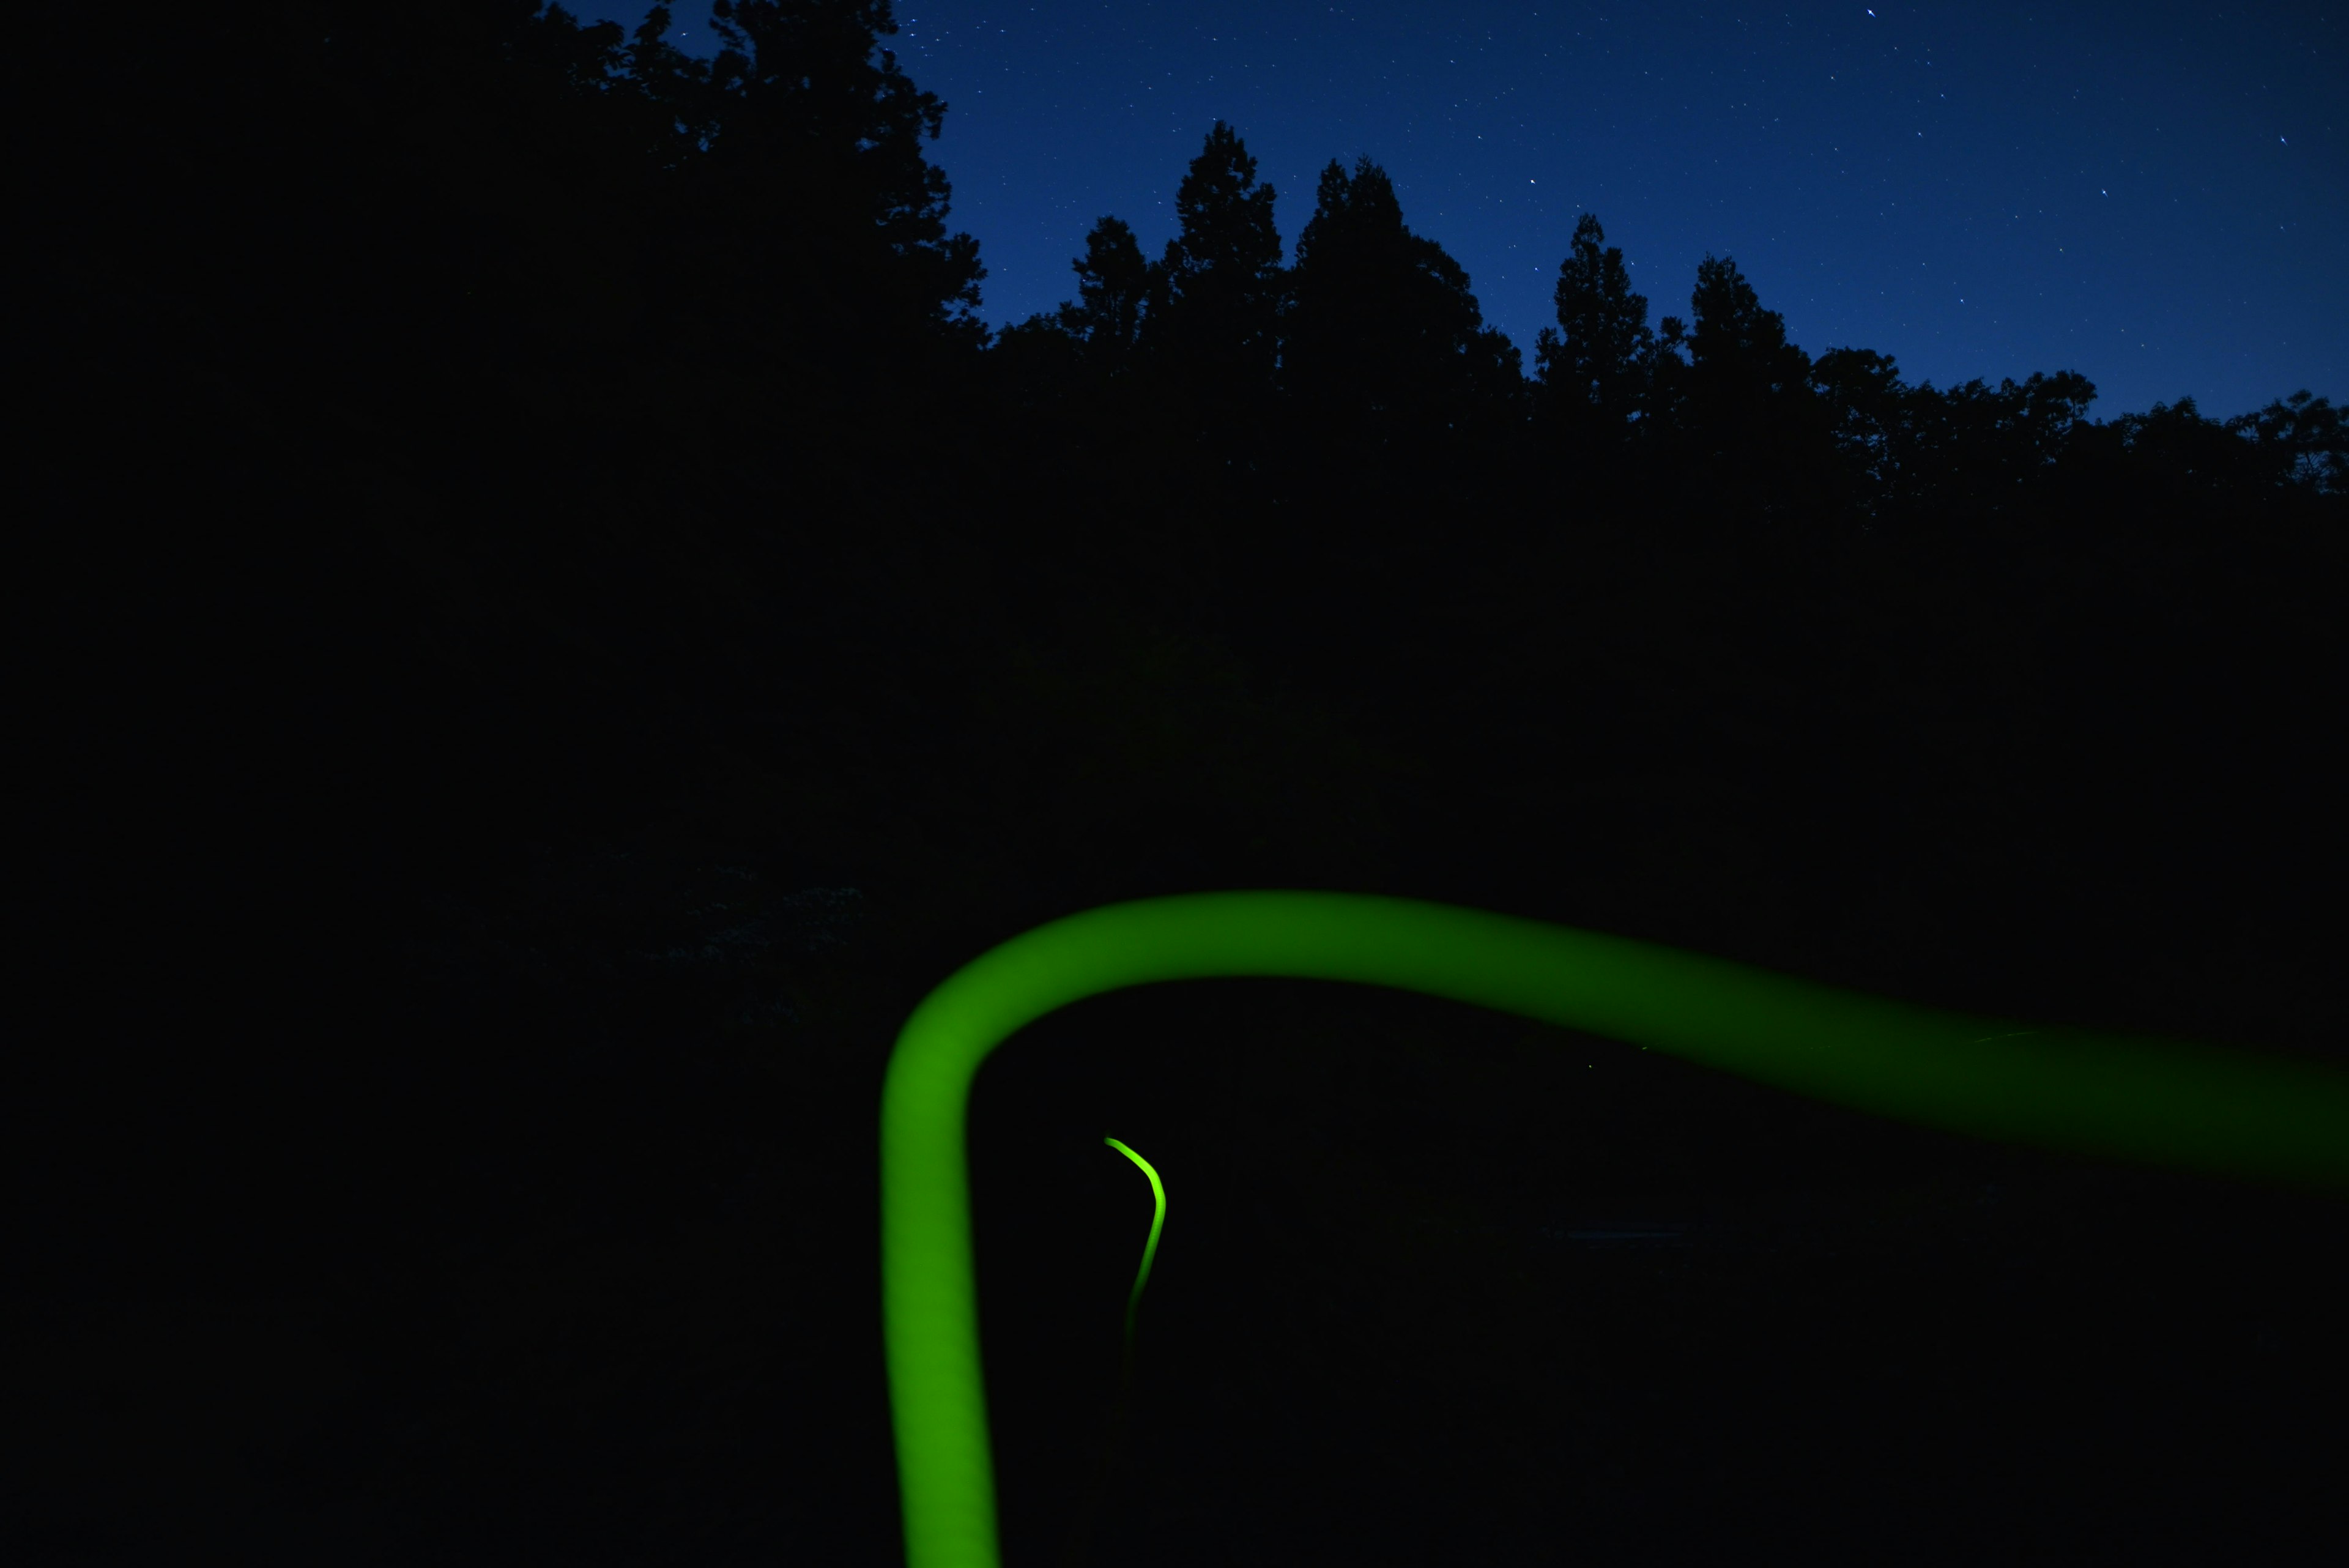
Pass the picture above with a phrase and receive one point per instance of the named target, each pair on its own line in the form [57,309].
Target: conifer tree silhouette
[1385,349]
[1752,430]
[1113,284]
[811,224]
[1594,366]
[1211,326]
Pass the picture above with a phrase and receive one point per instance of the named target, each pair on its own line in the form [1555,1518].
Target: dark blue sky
[2153,193]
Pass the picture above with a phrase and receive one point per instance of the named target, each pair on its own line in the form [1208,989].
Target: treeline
[1372,346]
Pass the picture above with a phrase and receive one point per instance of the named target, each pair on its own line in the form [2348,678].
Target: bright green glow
[2163,1101]
[1149,1248]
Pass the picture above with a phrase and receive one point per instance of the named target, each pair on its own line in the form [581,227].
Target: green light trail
[1149,1248]
[1080,1542]
[2134,1097]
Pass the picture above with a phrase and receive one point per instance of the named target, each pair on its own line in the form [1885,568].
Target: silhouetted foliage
[817,226]
[1596,364]
[1211,326]
[2305,443]
[1972,452]
[1867,405]
[1382,346]
[1089,340]
[1739,417]
[1113,281]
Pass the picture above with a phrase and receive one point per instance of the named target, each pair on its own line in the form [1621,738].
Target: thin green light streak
[2161,1101]
[1149,1248]
[1081,1536]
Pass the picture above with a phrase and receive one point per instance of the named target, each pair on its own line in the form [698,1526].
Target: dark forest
[547,625]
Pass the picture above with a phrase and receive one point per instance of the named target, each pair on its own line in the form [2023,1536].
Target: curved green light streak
[1149,1248]
[2132,1097]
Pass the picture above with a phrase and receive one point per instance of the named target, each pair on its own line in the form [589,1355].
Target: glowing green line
[1081,1536]
[1149,1248]
[2133,1098]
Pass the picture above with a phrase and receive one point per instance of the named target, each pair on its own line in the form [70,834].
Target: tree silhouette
[1868,407]
[1594,366]
[1113,284]
[1211,326]
[1077,351]
[1384,351]
[810,225]
[2306,443]
[1974,453]
[1739,350]
[1747,422]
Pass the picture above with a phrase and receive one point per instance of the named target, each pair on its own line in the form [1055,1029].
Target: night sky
[2155,195]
